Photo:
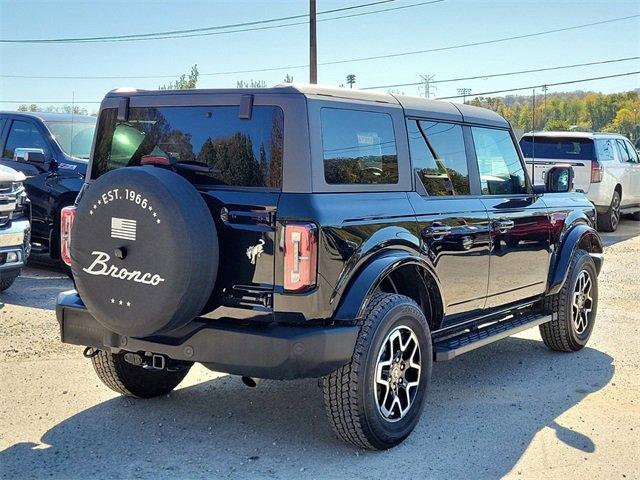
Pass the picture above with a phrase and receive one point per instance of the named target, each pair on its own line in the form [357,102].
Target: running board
[450,347]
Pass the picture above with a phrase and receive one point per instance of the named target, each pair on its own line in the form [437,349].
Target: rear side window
[358,147]
[438,156]
[239,152]
[558,148]
[604,149]
[501,171]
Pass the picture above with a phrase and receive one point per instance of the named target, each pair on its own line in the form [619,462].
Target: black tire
[608,221]
[561,333]
[6,282]
[350,393]
[134,381]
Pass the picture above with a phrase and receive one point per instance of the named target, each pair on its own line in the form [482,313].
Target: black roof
[53,117]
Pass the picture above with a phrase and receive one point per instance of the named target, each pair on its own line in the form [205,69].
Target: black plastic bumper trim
[275,352]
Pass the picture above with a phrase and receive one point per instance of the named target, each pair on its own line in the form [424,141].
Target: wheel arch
[579,236]
[393,271]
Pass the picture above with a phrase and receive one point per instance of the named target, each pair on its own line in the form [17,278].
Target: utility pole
[351,79]
[427,86]
[313,52]
[464,92]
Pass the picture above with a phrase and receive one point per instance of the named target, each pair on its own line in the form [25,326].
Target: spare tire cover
[144,251]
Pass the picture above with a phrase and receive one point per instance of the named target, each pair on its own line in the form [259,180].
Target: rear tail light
[596,171]
[154,160]
[67,215]
[300,256]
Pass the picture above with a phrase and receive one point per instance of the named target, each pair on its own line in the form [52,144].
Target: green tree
[558,124]
[184,82]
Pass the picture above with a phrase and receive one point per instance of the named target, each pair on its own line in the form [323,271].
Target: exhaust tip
[249,382]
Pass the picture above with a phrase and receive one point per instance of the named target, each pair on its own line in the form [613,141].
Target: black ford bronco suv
[301,231]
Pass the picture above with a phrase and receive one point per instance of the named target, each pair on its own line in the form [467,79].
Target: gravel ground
[512,409]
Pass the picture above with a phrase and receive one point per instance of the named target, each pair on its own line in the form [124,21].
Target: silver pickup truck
[15,226]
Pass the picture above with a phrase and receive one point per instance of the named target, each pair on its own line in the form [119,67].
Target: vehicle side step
[452,346]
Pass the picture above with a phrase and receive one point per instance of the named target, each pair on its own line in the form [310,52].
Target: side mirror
[30,155]
[559,179]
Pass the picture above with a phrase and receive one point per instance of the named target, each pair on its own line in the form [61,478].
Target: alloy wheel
[582,304]
[397,373]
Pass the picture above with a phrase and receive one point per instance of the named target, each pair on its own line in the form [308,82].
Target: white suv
[606,167]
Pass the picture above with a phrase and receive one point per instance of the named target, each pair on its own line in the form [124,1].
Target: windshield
[74,138]
[234,151]
[559,148]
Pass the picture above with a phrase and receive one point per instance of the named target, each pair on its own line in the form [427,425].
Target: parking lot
[511,409]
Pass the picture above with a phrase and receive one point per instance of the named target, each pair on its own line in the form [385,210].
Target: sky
[420,27]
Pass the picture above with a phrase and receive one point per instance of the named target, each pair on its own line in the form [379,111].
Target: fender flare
[579,236]
[361,288]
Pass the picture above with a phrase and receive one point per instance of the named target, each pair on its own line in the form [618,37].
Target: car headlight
[22,200]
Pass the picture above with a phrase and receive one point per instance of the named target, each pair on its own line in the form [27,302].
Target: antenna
[533,137]
[73,102]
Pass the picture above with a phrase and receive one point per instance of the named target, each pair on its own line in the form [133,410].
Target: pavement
[512,409]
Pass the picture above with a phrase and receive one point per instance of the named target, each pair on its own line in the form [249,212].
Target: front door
[520,224]
[453,225]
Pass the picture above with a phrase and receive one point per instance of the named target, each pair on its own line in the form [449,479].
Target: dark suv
[300,231]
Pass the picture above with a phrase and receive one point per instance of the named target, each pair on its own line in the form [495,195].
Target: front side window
[358,147]
[501,171]
[439,157]
[633,154]
[23,135]
[605,149]
[238,152]
[622,149]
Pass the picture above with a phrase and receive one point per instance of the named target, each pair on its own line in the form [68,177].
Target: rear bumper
[275,352]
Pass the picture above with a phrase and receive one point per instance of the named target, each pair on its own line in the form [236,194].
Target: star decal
[95,206]
[150,208]
[113,300]
[158,221]
[155,214]
[128,304]
[120,302]
[90,212]
[99,202]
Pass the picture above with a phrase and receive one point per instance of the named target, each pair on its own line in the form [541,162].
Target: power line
[214,30]
[335,62]
[441,98]
[530,87]
[519,72]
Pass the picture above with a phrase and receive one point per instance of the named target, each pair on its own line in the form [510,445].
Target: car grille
[9,193]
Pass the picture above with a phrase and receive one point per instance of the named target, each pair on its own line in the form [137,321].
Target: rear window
[564,148]
[239,152]
[358,147]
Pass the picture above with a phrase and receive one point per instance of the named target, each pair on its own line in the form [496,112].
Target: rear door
[452,221]
[520,224]
[631,172]
[544,152]
[232,156]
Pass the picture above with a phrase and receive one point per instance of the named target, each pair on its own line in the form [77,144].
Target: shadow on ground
[482,413]
[37,286]
[627,229]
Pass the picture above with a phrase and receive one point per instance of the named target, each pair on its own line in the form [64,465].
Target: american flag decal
[123,228]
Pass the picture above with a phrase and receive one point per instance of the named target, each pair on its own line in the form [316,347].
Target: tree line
[570,111]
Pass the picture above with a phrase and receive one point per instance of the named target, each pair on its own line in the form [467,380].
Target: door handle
[503,225]
[436,230]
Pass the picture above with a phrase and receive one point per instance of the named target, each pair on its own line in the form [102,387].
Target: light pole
[313,54]
[351,79]
[464,92]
